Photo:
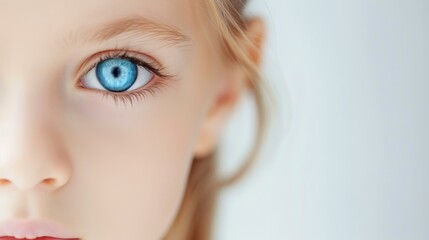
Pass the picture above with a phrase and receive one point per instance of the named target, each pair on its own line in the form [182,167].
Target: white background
[351,158]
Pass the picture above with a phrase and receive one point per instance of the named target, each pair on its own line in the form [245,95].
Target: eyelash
[137,94]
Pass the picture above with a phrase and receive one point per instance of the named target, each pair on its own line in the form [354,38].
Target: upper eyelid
[90,62]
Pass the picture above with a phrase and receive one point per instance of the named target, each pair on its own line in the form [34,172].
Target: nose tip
[34,161]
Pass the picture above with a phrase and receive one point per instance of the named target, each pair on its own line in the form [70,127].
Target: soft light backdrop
[353,155]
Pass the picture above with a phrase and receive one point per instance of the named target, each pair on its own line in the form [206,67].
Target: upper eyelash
[135,94]
[125,54]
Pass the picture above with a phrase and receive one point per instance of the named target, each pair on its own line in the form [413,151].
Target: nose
[32,155]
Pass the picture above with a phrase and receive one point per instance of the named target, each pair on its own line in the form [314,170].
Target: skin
[104,169]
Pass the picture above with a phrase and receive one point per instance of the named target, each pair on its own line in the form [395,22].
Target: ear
[230,91]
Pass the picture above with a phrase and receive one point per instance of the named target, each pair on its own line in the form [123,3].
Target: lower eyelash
[130,97]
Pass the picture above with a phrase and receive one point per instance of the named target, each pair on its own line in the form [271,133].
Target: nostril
[4,182]
[49,181]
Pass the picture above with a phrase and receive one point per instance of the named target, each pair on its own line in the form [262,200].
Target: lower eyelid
[154,82]
[136,95]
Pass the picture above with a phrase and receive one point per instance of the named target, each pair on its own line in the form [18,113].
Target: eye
[122,74]
[117,75]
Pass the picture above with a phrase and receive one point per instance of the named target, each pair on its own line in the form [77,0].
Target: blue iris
[116,74]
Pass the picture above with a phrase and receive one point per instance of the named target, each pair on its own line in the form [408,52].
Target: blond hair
[195,218]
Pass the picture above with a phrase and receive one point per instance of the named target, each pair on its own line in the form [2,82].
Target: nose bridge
[32,154]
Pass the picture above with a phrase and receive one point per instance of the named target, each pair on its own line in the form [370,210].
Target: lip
[35,229]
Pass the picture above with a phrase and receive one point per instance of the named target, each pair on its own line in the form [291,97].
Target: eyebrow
[131,26]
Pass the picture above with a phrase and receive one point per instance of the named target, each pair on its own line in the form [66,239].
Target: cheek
[131,166]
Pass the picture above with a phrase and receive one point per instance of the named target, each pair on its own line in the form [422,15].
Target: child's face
[98,165]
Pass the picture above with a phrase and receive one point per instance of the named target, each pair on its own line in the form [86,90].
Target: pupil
[116,71]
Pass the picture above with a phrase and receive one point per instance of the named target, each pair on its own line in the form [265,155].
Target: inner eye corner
[79,84]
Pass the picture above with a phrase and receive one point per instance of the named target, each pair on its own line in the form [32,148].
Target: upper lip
[33,229]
